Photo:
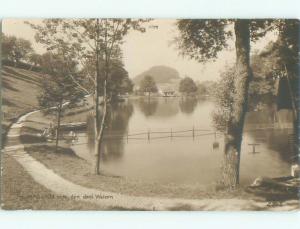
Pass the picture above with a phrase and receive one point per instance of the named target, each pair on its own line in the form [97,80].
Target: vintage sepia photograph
[150,114]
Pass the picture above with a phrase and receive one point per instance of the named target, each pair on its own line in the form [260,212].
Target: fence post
[253,147]
[171,134]
[193,132]
[148,135]
[127,136]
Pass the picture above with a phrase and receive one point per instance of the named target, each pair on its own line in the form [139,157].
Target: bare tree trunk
[96,107]
[96,117]
[58,125]
[233,137]
[293,101]
[99,135]
[99,138]
[96,128]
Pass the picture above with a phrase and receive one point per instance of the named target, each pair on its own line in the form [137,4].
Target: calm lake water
[182,158]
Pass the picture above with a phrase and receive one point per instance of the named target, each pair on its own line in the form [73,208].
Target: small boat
[73,126]
[71,137]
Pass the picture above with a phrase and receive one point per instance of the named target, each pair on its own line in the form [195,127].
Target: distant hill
[161,75]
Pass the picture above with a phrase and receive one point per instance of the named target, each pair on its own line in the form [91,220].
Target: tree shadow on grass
[119,208]
[181,207]
[71,113]
[9,72]
[50,149]
[8,103]
[7,85]
[30,130]
[31,139]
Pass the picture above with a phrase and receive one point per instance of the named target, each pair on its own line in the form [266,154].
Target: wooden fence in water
[150,135]
[171,134]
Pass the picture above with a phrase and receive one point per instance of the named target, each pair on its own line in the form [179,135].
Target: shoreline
[71,167]
[66,168]
[76,169]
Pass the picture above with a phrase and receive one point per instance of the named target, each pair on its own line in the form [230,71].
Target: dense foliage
[187,86]
[58,89]
[15,49]
[148,85]
[224,99]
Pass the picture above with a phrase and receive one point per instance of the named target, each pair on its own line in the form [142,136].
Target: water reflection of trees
[159,107]
[116,128]
[148,106]
[167,107]
[188,105]
[276,139]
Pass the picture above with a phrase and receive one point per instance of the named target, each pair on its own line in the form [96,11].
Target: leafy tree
[57,87]
[118,83]
[126,86]
[289,64]
[34,59]
[15,49]
[279,63]
[284,53]
[148,85]
[262,89]
[96,40]
[23,49]
[7,46]
[121,82]
[224,98]
[187,86]
[203,40]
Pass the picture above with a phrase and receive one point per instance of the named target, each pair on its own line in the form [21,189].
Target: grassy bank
[68,165]
[19,90]
[18,190]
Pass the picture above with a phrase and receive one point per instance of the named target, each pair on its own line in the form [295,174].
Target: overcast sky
[144,50]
